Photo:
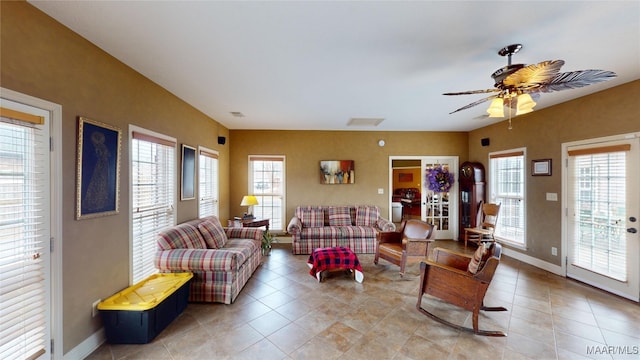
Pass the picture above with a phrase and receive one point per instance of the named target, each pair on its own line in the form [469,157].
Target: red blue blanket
[333,258]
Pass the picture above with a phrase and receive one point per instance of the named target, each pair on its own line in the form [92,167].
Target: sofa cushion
[324,232]
[339,216]
[367,216]
[359,232]
[312,217]
[182,236]
[213,233]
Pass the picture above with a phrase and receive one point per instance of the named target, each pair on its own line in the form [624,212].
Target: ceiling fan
[517,85]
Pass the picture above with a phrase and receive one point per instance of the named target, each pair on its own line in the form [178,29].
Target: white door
[25,232]
[440,208]
[603,207]
[437,208]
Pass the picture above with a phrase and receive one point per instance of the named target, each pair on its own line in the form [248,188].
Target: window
[24,235]
[507,187]
[208,182]
[266,182]
[153,193]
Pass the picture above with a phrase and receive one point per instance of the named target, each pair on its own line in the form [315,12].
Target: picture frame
[541,167]
[405,177]
[188,173]
[97,169]
[334,172]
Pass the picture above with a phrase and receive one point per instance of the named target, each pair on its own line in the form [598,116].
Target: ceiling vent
[236,114]
[365,121]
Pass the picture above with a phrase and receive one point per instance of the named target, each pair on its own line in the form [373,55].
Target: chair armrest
[451,258]
[295,225]
[389,237]
[463,273]
[385,225]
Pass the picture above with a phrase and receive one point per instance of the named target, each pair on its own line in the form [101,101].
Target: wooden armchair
[486,226]
[412,241]
[461,280]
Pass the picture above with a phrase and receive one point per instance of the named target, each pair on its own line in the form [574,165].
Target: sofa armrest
[244,233]
[195,260]
[385,225]
[295,225]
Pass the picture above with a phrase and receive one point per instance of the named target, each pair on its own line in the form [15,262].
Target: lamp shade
[496,109]
[249,200]
[525,104]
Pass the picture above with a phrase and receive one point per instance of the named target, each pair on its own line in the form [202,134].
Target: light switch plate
[552,197]
[380,191]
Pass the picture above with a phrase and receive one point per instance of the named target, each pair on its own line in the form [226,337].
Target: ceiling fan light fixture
[496,109]
[525,104]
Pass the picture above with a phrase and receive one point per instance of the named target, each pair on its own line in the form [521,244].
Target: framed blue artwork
[98,169]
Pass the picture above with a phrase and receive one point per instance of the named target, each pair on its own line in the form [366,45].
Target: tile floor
[284,313]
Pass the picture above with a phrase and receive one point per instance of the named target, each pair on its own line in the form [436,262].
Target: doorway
[603,207]
[409,194]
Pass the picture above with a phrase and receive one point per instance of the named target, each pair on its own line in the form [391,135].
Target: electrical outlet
[554,251]
[380,191]
[94,308]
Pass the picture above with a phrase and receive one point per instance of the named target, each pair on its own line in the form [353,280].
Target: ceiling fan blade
[475,103]
[473,92]
[534,75]
[576,79]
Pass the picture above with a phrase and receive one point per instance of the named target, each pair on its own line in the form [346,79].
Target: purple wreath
[439,179]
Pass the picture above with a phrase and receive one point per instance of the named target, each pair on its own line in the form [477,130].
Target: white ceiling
[313,65]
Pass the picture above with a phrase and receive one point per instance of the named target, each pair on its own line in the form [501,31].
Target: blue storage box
[140,312]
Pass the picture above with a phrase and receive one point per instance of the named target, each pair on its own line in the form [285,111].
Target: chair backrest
[490,215]
[416,229]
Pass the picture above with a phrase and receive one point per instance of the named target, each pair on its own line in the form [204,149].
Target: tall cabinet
[472,193]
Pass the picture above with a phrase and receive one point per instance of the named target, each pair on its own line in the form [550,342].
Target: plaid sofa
[221,259]
[352,226]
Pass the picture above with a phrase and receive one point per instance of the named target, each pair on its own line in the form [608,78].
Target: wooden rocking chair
[461,280]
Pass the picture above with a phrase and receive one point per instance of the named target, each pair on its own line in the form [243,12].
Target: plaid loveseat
[352,226]
[221,260]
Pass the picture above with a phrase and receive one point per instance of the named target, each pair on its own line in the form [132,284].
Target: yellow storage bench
[138,313]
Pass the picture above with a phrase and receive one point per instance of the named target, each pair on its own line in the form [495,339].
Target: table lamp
[248,201]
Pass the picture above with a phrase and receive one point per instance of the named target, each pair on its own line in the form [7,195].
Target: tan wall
[44,59]
[305,149]
[414,183]
[542,132]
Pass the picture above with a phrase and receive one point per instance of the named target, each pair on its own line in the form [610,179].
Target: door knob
[632,230]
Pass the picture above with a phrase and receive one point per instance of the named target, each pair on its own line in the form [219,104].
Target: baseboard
[281,239]
[555,269]
[86,347]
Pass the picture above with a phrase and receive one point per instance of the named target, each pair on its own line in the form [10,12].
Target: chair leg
[466,237]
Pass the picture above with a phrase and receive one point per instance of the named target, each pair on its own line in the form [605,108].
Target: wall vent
[365,121]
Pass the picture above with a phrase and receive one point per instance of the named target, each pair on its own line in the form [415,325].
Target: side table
[256,223]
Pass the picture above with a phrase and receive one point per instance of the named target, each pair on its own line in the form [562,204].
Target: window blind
[24,177]
[507,188]
[599,199]
[266,182]
[153,188]
[208,183]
